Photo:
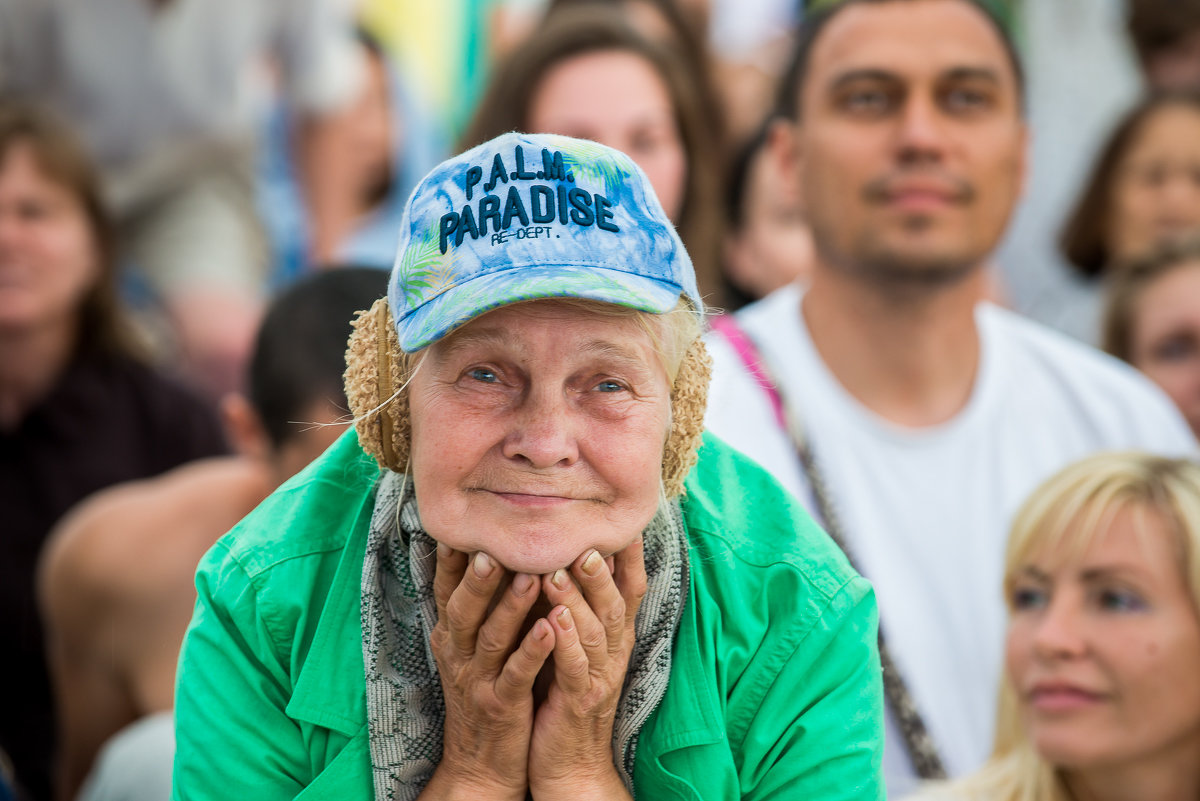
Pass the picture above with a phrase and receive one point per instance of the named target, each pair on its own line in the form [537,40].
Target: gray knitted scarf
[405,708]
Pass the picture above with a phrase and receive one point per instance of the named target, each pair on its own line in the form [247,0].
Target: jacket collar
[688,715]
[330,690]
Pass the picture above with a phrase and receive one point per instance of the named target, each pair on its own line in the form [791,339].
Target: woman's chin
[537,564]
[541,557]
[539,549]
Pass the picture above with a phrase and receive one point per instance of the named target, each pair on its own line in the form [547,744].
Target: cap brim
[464,302]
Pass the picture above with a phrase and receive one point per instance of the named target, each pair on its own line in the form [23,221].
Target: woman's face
[1103,649]
[616,98]
[370,133]
[538,433]
[1156,189]
[1166,337]
[47,251]
[774,246]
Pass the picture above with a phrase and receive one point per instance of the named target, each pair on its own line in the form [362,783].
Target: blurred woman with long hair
[79,409]
[1101,698]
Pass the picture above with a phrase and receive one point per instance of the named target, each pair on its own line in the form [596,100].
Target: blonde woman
[1102,692]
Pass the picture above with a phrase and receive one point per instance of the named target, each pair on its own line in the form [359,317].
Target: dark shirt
[108,419]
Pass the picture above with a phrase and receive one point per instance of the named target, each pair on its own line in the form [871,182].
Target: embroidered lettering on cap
[525,202]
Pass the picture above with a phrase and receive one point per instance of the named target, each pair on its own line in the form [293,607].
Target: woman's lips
[531,500]
[1062,698]
[1174,229]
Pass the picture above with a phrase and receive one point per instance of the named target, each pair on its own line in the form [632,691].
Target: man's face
[1175,68]
[910,147]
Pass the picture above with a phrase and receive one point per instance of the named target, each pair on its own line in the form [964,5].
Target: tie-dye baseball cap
[532,216]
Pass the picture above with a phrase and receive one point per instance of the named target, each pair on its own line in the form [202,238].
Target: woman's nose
[9,229]
[1182,194]
[542,432]
[1059,633]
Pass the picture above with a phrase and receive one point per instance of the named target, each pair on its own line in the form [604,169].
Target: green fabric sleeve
[832,749]
[233,737]
[775,687]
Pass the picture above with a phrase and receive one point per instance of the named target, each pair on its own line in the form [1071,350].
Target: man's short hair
[787,103]
[300,353]
[1157,25]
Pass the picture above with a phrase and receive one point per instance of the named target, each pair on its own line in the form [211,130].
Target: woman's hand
[488,686]
[570,755]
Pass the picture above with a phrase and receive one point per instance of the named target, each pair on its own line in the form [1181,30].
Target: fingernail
[564,619]
[521,583]
[444,550]
[541,629]
[483,565]
[591,565]
[559,579]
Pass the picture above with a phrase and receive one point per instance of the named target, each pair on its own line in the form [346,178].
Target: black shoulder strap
[922,750]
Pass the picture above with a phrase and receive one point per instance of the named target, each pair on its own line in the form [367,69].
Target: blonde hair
[1071,511]
[378,372]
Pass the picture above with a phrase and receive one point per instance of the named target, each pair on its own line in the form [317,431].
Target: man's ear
[784,156]
[244,428]
[1026,155]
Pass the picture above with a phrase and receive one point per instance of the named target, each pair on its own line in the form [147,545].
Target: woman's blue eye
[1028,598]
[1154,175]
[483,374]
[1175,349]
[33,210]
[1120,601]
[609,386]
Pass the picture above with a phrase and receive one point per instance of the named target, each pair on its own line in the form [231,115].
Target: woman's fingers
[468,604]
[571,663]
[588,629]
[451,565]
[503,626]
[515,681]
[630,577]
[600,591]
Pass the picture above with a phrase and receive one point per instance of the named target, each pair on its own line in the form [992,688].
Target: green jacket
[774,692]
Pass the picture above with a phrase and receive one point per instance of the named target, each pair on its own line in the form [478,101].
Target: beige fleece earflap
[373,374]
[376,368]
[689,399]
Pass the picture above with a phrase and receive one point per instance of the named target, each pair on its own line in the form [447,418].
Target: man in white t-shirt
[930,415]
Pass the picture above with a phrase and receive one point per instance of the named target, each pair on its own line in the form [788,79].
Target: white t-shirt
[135,763]
[926,511]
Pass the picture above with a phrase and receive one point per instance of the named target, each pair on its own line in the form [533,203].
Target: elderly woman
[528,600]
[1102,696]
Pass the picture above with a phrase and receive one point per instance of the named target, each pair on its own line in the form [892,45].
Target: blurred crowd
[197,195]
